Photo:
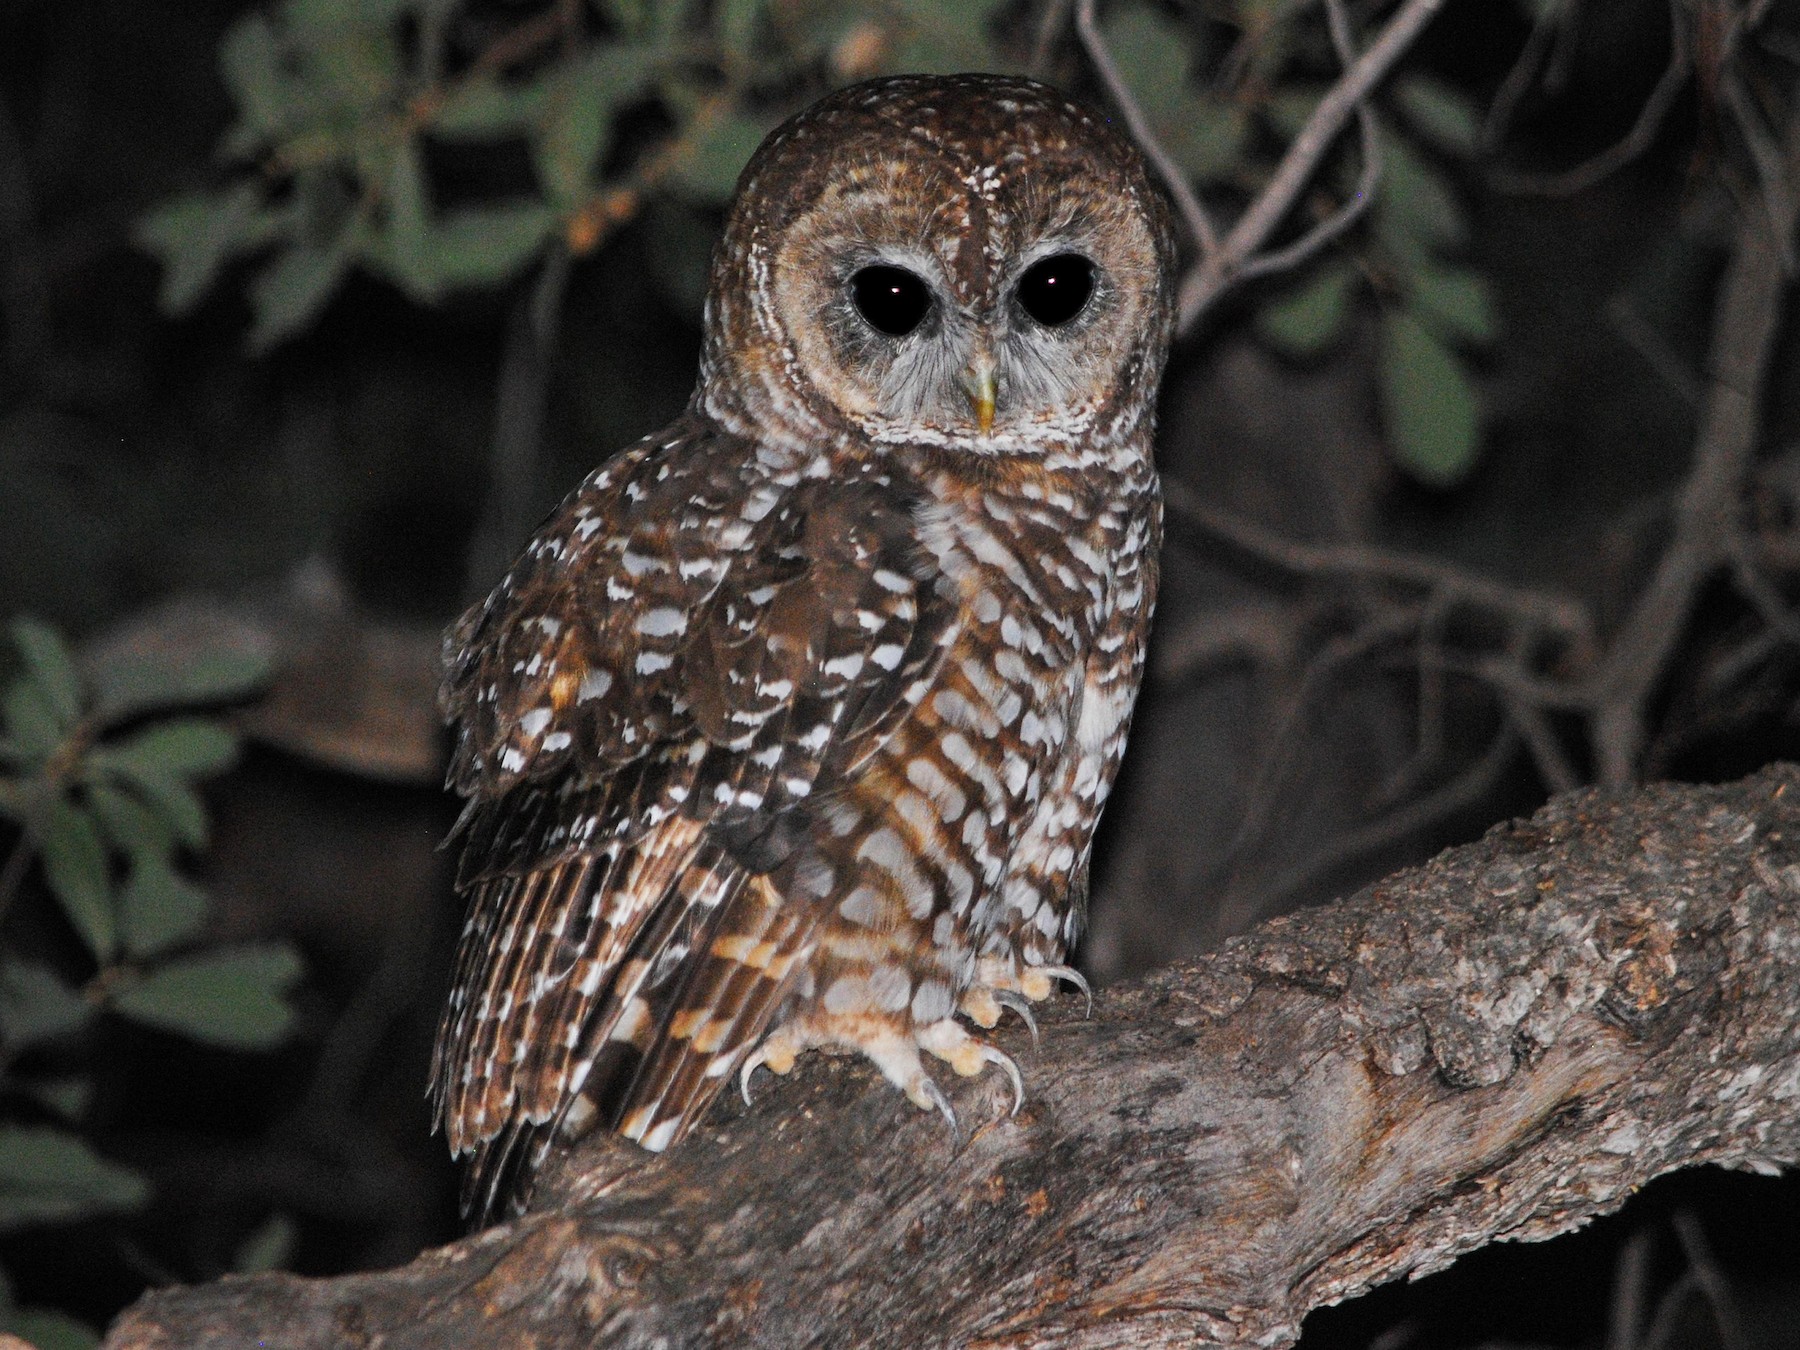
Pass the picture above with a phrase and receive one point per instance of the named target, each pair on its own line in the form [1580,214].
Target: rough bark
[1501,1044]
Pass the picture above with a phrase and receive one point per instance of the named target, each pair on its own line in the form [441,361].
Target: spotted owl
[792,725]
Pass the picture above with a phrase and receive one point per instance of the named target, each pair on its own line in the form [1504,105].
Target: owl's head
[971,261]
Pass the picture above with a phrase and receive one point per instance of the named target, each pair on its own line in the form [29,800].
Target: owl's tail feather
[723,1005]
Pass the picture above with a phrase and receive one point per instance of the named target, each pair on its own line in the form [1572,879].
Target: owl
[792,725]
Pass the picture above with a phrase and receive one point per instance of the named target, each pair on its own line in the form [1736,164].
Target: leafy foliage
[349,111]
[100,774]
[1433,309]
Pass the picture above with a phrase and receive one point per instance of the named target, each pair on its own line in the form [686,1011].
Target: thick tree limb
[1500,1044]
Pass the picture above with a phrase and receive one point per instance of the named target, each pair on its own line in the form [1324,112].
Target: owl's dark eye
[1054,290]
[893,300]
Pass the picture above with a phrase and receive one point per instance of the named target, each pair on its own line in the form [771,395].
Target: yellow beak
[979,383]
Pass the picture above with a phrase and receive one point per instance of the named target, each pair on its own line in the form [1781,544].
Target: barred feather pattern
[792,726]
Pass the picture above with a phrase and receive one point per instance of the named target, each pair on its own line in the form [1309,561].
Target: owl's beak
[979,383]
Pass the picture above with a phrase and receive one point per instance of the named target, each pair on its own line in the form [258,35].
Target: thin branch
[1635,142]
[1193,215]
[1219,270]
[1468,789]
[1552,24]
[1713,1285]
[1563,616]
[1353,207]
[519,421]
[1631,1276]
[1746,321]
[1547,753]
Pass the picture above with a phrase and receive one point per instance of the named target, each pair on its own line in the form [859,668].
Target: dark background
[330,491]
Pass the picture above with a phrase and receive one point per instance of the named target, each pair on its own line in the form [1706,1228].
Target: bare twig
[1547,753]
[519,422]
[1193,215]
[1552,25]
[1643,132]
[1745,323]
[1222,268]
[1353,207]
[1631,1275]
[1638,334]
[1461,793]
[1713,1285]
[1562,616]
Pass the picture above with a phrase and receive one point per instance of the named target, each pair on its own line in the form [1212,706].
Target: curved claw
[936,1096]
[1007,999]
[750,1066]
[1074,977]
[1005,1061]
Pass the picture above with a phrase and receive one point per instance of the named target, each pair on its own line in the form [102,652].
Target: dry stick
[1221,268]
[1193,214]
[525,367]
[1643,132]
[1351,1094]
[1566,618]
[1746,321]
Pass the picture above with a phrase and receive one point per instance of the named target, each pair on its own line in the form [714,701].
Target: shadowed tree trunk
[1500,1044]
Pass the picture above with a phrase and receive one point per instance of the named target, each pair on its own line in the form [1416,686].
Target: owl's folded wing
[648,715]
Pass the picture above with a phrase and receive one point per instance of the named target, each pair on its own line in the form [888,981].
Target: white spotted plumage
[792,727]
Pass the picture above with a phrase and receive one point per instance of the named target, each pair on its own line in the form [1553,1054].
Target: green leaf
[174,803]
[193,237]
[1432,410]
[49,1176]
[1415,201]
[68,1097]
[737,23]
[186,747]
[403,244]
[484,245]
[130,685]
[942,37]
[1441,114]
[270,1247]
[36,1006]
[1309,318]
[1151,51]
[1455,304]
[30,720]
[158,909]
[250,60]
[232,997]
[52,668]
[486,109]
[51,1329]
[289,293]
[719,151]
[578,117]
[75,866]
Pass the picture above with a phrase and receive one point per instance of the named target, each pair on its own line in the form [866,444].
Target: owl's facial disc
[916,345]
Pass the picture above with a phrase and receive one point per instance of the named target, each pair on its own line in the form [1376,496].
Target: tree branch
[1501,1044]
[1220,268]
[1746,321]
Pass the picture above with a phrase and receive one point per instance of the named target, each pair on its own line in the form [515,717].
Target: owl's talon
[934,1096]
[1007,999]
[1074,977]
[750,1066]
[1005,1061]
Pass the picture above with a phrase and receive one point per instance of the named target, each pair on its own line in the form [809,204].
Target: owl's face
[971,262]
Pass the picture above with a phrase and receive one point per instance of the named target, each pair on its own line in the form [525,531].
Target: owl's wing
[648,718]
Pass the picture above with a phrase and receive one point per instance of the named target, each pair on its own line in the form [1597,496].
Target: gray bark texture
[1500,1044]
